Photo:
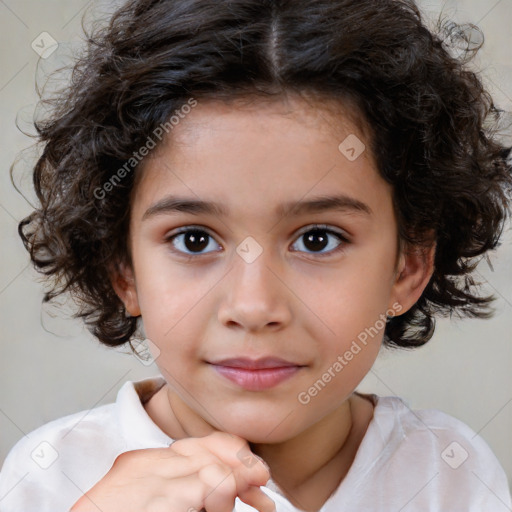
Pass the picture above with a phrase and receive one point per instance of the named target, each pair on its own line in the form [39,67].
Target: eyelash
[314,227]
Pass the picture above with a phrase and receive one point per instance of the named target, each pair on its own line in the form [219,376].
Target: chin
[263,430]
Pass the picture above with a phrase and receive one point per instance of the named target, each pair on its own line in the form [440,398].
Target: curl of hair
[429,115]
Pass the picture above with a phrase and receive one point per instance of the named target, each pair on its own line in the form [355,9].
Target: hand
[192,474]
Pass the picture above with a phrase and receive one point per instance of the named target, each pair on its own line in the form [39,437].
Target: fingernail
[262,461]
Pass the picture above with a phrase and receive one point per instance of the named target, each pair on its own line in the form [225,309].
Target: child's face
[306,299]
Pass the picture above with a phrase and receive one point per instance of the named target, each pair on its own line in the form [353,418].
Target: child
[337,169]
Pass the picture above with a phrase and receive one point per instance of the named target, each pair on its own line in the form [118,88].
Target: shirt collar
[137,427]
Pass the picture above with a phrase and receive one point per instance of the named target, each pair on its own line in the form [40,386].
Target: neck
[293,465]
[308,467]
[313,453]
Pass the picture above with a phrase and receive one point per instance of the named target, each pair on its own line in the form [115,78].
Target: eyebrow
[341,202]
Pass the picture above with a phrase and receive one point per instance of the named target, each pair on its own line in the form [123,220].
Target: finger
[173,465]
[251,467]
[226,443]
[191,493]
[231,450]
[257,499]
[236,452]
[223,488]
[184,466]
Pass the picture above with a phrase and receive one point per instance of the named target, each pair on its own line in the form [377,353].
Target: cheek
[345,302]
[167,290]
[346,315]
[350,354]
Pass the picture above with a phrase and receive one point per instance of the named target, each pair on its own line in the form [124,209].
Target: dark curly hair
[433,126]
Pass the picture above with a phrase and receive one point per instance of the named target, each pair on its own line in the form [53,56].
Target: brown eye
[192,241]
[317,239]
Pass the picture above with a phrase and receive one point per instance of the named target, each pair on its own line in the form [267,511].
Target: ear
[123,282]
[415,268]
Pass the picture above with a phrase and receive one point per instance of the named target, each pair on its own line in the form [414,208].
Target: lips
[256,374]
[254,364]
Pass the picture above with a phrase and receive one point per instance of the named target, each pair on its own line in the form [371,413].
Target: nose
[255,296]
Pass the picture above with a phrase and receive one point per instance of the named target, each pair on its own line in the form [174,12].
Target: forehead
[326,117]
[256,155]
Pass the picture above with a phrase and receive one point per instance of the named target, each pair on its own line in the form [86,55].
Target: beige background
[51,367]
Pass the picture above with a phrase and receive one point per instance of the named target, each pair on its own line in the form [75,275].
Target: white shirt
[407,461]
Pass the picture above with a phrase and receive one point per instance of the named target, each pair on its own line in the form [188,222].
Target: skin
[303,303]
